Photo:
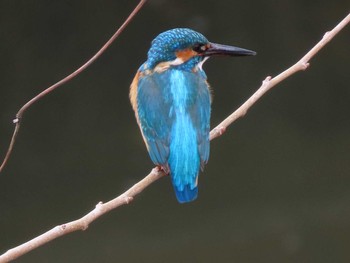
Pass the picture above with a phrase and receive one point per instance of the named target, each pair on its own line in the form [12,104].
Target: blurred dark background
[277,186]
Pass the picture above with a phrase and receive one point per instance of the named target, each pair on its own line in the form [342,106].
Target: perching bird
[171,99]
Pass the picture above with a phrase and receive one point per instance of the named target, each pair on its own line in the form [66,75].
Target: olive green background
[277,185]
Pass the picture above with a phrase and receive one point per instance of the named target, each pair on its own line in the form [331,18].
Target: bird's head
[186,48]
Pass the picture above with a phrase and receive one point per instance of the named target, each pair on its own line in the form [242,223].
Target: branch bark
[155,174]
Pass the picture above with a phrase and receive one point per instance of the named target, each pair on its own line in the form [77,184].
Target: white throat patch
[200,64]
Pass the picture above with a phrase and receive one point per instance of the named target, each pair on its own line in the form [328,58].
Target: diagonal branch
[82,223]
[128,196]
[19,115]
[270,82]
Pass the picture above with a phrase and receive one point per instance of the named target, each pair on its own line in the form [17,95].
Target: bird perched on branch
[171,99]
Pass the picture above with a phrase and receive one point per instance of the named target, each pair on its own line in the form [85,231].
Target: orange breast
[133,92]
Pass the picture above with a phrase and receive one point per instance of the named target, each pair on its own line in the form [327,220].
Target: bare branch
[269,82]
[19,115]
[82,223]
[128,196]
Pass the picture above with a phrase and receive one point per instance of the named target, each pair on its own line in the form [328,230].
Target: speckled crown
[165,45]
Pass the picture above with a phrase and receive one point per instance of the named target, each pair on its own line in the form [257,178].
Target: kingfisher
[171,98]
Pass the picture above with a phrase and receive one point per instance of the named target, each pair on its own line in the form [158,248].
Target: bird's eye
[199,48]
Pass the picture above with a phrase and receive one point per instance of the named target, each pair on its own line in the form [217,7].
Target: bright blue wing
[154,104]
[174,114]
[200,114]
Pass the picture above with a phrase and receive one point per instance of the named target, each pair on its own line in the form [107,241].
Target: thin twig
[128,196]
[19,115]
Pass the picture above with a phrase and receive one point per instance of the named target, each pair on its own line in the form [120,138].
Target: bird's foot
[163,169]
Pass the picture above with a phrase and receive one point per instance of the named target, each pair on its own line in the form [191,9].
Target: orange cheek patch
[186,54]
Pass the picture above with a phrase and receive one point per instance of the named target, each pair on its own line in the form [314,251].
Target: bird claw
[163,169]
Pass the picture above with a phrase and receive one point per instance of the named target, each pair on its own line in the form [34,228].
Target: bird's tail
[187,194]
[184,160]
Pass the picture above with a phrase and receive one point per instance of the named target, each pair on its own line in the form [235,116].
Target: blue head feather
[166,44]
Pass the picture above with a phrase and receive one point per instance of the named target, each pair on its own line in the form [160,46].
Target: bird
[171,98]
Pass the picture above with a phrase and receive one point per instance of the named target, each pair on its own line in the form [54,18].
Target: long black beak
[218,49]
